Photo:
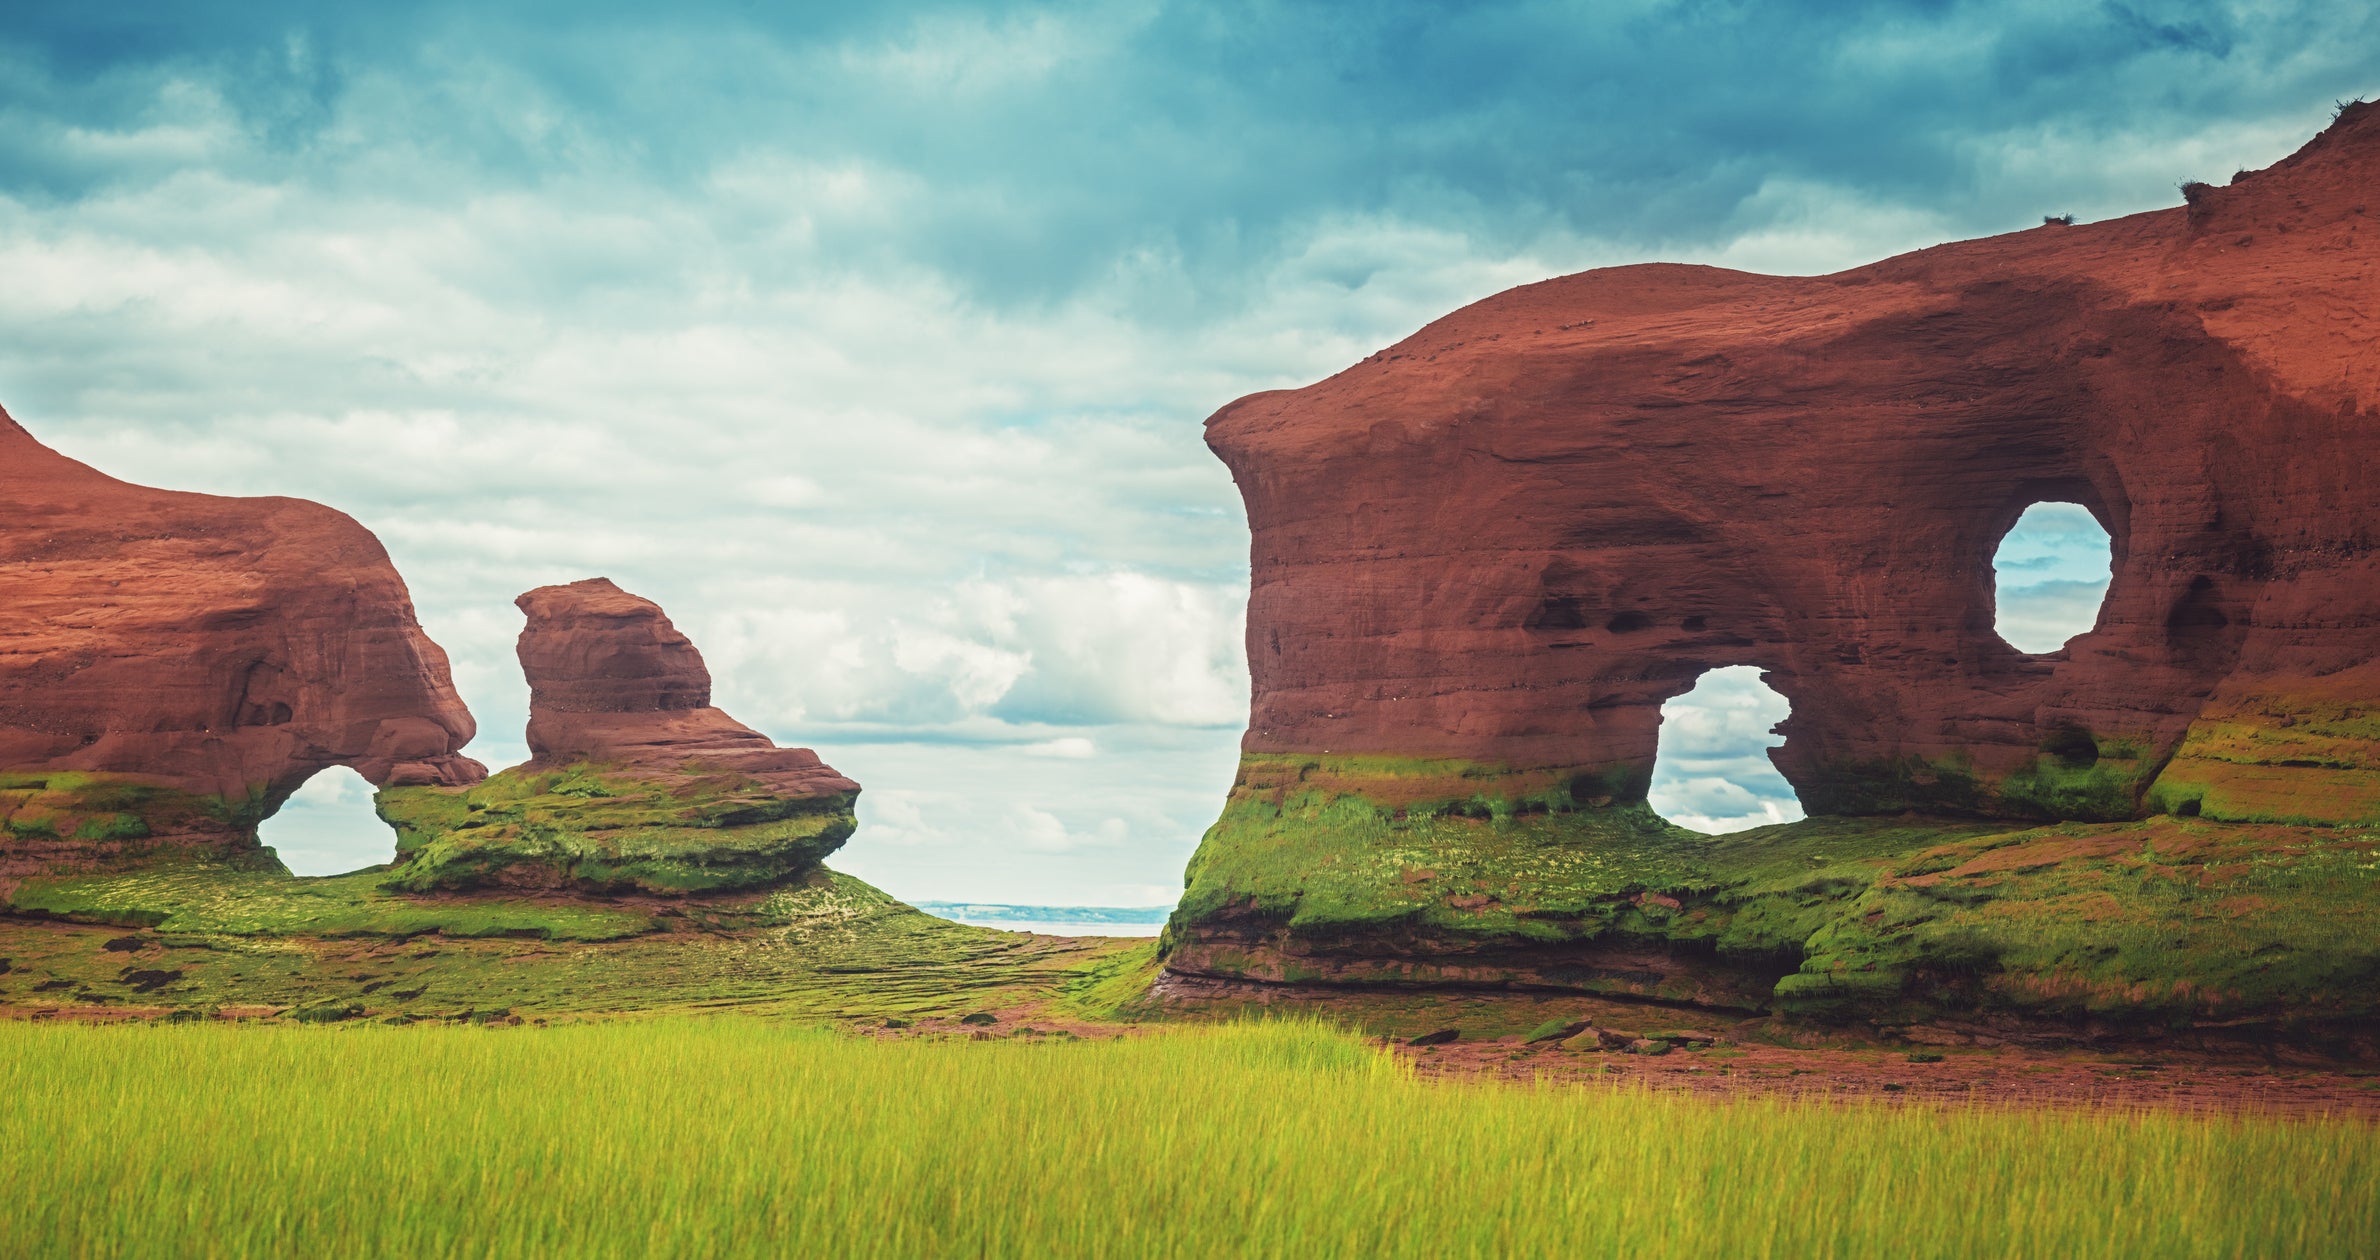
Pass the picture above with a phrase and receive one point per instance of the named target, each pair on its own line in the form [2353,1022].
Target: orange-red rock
[612,682]
[1510,537]
[173,666]
[637,783]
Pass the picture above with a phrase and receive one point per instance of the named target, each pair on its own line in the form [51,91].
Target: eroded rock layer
[635,781]
[1484,557]
[173,666]
[1509,538]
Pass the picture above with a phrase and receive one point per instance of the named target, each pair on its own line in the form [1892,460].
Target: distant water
[1054,920]
[1067,929]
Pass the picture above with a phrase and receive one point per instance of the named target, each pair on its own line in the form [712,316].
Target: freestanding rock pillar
[636,782]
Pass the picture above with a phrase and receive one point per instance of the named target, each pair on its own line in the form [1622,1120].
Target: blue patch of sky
[1058,137]
[2051,574]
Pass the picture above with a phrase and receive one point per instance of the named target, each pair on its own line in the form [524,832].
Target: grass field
[737,1136]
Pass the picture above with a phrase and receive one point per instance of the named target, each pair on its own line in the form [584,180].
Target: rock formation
[612,682]
[1484,557]
[173,666]
[1508,539]
[635,780]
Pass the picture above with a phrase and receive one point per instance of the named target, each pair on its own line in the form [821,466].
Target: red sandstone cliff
[1511,536]
[611,681]
[201,656]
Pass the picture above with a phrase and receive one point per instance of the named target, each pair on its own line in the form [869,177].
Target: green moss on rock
[605,829]
[1885,919]
[96,820]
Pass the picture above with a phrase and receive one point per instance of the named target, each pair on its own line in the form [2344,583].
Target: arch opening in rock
[1711,770]
[328,826]
[2050,576]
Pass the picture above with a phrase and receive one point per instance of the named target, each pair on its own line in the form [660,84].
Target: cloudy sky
[873,340]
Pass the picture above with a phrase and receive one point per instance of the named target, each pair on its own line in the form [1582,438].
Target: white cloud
[878,355]
[1711,772]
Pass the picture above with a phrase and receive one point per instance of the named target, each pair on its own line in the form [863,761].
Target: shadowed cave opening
[1711,771]
[328,827]
[2050,576]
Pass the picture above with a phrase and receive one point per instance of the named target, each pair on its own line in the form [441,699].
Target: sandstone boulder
[635,783]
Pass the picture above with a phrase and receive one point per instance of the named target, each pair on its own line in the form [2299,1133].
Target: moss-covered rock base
[605,829]
[1335,872]
[74,820]
[244,939]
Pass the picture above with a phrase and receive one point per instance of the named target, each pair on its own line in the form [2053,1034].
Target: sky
[873,341]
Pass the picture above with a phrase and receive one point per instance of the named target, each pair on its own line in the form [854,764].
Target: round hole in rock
[1711,770]
[327,827]
[2050,575]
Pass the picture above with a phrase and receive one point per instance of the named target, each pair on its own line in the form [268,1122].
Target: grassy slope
[207,936]
[2162,919]
[736,1137]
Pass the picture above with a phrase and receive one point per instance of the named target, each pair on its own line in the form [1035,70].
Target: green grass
[209,894]
[209,936]
[744,1137]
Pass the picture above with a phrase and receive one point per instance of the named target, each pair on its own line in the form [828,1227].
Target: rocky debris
[1443,1036]
[1506,540]
[1585,1037]
[1556,1030]
[173,666]
[636,782]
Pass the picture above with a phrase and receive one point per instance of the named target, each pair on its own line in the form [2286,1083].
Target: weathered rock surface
[1508,539]
[1485,556]
[173,666]
[611,681]
[635,781]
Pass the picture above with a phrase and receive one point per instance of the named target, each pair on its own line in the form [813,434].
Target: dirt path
[1999,1076]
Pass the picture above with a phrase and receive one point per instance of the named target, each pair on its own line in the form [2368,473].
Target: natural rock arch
[175,665]
[1508,539]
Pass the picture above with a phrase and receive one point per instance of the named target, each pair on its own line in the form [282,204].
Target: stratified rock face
[173,666]
[635,782]
[612,681]
[1505,541]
